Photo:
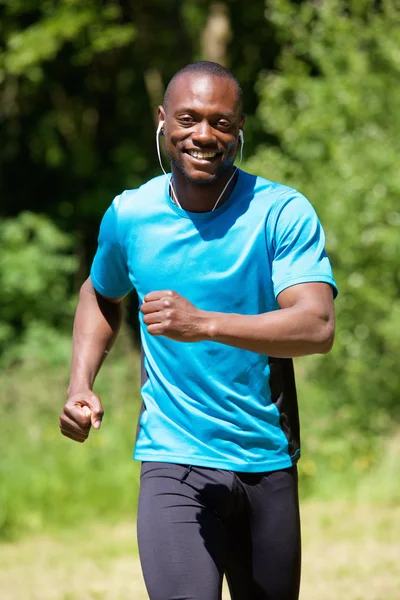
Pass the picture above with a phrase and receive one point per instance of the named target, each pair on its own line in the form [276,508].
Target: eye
[186,121]
[224,124]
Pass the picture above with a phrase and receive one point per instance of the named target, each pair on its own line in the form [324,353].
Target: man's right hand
[81,412]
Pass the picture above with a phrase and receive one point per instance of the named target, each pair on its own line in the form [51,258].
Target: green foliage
[76,112]
[92,24]
[333,109]
[35,272]
[47,480]
[76,107]
[340,459]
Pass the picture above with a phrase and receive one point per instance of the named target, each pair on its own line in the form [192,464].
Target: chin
[198,176]
[201,178]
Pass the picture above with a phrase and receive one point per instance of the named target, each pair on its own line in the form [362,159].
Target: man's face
[201,126]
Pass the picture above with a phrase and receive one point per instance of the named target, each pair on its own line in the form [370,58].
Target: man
[233,282]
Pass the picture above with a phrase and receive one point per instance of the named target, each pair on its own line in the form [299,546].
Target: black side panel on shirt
[283,392]
[143,378]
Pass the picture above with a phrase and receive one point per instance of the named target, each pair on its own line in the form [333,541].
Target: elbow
[326,346]
[326,337]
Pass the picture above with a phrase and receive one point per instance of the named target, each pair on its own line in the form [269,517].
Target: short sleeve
[297,243]
[109,272]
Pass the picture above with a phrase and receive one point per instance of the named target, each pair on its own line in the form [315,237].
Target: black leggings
[196,524]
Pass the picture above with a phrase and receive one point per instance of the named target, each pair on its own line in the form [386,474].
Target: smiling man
[233,282]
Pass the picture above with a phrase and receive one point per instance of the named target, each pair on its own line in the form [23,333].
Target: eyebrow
[191,110]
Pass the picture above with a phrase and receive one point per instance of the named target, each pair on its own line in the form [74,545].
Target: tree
[35,281]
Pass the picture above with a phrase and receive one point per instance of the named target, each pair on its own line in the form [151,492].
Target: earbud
[241,140]
[159,128]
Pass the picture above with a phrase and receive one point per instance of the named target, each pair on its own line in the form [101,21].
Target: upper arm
[315,298]
[297,245]
[109,273]
[88,288]
[315,303]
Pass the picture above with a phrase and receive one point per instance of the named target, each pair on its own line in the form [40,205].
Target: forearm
[284,333]
[96,325]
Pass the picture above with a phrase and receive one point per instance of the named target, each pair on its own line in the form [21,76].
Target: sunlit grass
[49,481]
[350,552]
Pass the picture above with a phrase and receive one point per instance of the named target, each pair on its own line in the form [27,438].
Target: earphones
[159,128]
[241,140]
[160,132]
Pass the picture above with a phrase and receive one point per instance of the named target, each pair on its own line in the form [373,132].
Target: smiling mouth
[202,154]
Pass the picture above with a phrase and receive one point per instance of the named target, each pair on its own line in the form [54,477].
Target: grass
[49,481]
[350,552]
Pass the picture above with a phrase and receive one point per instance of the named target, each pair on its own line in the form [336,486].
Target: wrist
[78,388]
[208,325]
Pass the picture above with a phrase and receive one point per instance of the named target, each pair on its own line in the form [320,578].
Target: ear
[161,116]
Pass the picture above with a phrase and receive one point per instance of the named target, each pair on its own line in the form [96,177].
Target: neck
[195,197]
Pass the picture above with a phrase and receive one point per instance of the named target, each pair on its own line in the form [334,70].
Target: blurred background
[80,82]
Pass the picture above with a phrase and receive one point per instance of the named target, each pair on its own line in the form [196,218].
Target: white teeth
[201,155]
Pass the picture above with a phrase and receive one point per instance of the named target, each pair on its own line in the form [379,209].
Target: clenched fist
[170,314]
[81,412]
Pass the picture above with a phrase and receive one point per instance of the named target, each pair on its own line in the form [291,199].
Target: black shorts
[196,525]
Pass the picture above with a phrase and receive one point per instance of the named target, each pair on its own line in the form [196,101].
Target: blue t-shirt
[206,403]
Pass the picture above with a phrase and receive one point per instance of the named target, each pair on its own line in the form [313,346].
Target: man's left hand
[170,314]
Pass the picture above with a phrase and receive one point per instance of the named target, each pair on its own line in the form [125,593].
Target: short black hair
[204,67]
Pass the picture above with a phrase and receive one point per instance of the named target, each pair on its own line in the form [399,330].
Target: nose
[203,133]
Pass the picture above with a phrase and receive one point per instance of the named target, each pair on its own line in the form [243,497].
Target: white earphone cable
[223,191]
[241,139]
[161,165]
